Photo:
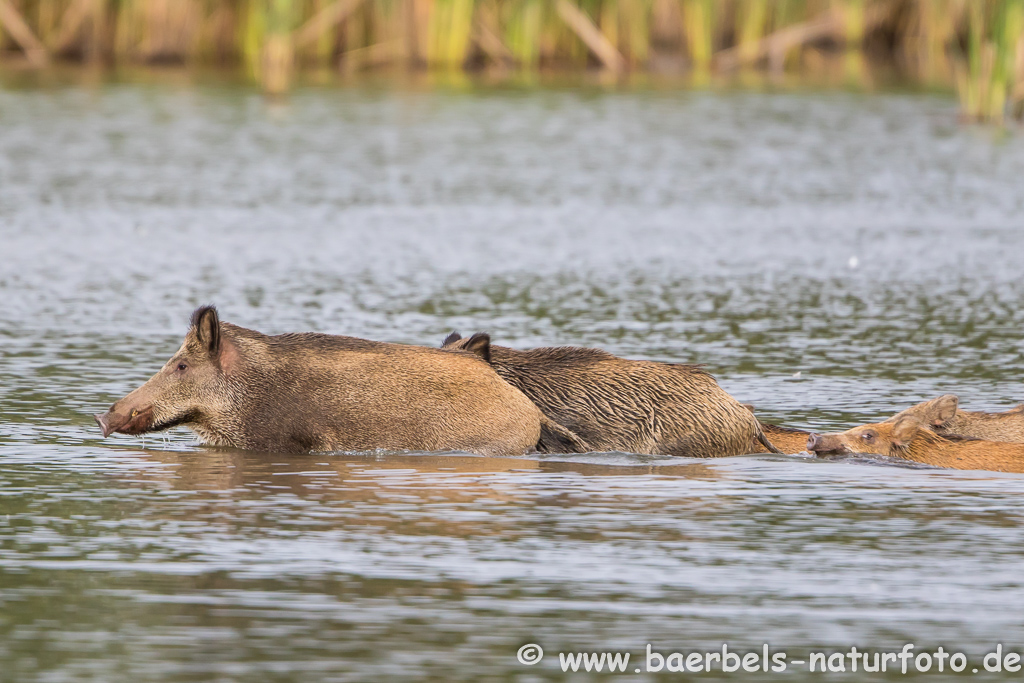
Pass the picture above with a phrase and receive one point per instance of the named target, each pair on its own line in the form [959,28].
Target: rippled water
[867,243]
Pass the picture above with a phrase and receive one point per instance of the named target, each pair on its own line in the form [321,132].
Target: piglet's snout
[815,442]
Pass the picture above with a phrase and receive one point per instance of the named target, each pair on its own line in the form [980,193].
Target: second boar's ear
[904,430]
[946,406]
[206,324]
[480,344]
[451,339]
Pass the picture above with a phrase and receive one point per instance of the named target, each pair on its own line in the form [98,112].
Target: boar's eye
[868,436]
[182,367]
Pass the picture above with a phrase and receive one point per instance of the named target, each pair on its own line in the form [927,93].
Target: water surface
[831,258]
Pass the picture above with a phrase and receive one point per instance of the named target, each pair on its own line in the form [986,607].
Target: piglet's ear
[206,325]
[904,430]
[946,406]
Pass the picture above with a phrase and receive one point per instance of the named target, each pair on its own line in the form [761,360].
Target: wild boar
[315,392]
[944,416]
[616,404]
[905,437]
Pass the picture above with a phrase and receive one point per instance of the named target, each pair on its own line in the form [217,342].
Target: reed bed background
[976,46]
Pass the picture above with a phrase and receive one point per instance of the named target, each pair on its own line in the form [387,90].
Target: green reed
[974,45]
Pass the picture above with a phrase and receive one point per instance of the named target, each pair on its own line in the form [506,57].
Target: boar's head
[191,388]
[884,438]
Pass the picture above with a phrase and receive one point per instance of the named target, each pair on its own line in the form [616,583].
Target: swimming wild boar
[316,392]
[905,437]
[616,404]
[943,415]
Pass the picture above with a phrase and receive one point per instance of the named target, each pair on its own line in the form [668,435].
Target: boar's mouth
[840,450]
[173,422]
[138,423]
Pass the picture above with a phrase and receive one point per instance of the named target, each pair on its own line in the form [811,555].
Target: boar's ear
[206,325]
[748,406]
[480,344]
[945,407]
[904,430]
[450,339]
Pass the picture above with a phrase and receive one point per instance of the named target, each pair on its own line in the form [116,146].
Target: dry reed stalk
[323,21]
[46,20]
[384,17]
[218,41]
[775,46]
[583,27]
[666,27]
[12,22]
[319,50]
[95,26]
[170,29]
[937,32]
[608,21]
[83,29]
[370,55]
[278,52]
[71,25]
[488,38]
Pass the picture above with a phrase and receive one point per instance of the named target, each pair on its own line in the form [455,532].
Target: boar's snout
[812,441]
[103,420]
[109,422]
[129,422]
[818,443]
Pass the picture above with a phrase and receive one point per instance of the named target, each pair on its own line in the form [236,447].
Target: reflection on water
[712,228]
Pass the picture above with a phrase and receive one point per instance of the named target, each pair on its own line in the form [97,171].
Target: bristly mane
[313,340]
[580,355]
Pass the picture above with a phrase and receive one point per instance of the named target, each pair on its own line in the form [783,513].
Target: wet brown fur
[318,392]
[616,404]
[905,437]
[943,415]
[786,439]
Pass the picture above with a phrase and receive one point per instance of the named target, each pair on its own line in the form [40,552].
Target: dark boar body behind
[632,406]
[316,392]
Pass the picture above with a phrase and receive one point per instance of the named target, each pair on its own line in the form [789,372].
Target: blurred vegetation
[977,46]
